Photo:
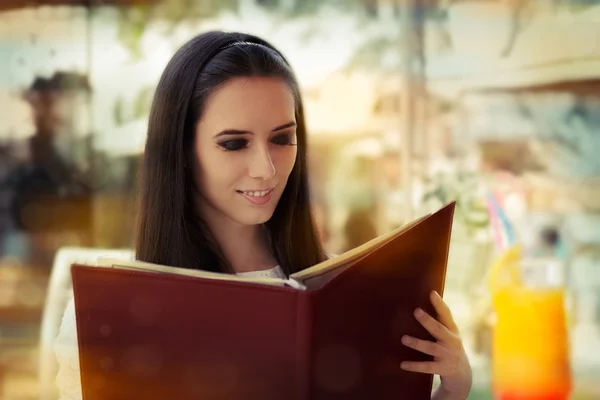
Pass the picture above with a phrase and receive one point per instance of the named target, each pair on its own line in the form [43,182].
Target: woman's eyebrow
[240,132]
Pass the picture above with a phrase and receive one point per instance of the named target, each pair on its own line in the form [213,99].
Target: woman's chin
[257,217]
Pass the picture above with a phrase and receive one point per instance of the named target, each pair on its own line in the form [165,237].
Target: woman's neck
[244,246]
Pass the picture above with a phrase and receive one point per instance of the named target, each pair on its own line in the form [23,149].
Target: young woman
[224,186]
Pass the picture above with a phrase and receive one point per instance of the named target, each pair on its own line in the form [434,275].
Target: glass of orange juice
[530,345]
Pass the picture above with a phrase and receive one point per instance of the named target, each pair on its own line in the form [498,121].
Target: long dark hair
[169,230]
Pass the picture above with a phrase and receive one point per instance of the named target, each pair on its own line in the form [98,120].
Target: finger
[424,346]
[433,326]
[425,367]
[444,313]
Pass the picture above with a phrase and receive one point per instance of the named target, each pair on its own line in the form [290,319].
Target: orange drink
[530,345]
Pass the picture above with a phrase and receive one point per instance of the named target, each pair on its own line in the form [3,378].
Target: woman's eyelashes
[234,145]
[285,139]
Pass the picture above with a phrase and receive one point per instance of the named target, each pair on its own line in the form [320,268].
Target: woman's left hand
[450,360]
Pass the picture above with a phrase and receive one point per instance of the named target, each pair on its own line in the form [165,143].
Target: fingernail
[436,294]
[403,365]
[419,312]
[405,339]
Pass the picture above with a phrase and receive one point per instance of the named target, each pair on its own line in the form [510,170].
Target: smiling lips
[257,197]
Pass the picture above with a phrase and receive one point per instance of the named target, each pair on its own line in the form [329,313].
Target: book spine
[304,341]
[295,284]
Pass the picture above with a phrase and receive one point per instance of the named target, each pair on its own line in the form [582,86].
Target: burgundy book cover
[145,335]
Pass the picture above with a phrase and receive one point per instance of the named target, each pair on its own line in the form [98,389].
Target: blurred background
[410,104]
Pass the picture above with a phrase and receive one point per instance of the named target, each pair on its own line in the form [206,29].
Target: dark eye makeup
[281,139]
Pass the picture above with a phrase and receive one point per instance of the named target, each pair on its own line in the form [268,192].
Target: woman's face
[245,148]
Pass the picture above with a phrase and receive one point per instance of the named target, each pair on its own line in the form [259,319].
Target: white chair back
[57,297]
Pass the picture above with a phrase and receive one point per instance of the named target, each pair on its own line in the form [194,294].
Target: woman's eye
[234,145]
[283,140]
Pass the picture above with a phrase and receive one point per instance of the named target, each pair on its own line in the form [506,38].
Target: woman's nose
[261,165]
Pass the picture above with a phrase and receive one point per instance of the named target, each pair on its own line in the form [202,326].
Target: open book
[331,331]
[310,278]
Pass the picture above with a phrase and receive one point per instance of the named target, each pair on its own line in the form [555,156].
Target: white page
[135,265]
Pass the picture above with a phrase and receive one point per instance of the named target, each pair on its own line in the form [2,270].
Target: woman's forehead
[249,103]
